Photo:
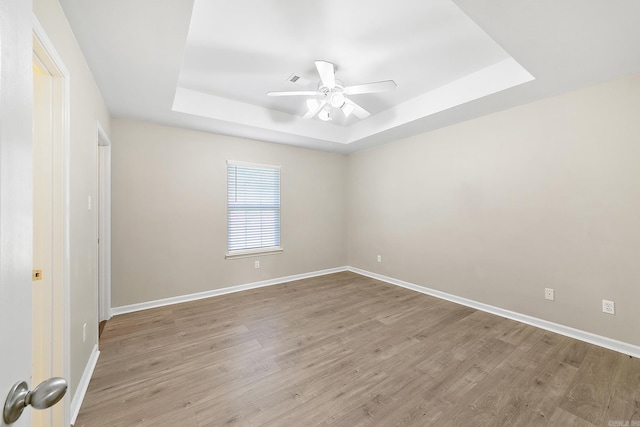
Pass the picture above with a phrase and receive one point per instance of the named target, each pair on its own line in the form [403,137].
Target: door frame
[61,354]
[104,224]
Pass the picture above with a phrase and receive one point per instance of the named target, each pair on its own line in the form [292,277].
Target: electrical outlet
[379,258]
[84,332]
[549,294]
[257,264]
[608,307]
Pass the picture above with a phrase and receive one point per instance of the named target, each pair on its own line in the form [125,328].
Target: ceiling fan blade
[382,86]
[294,93]
[359,112]
[327,73]
[316,108]
[347,109]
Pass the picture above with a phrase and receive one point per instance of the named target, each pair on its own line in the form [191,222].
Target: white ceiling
[210,70]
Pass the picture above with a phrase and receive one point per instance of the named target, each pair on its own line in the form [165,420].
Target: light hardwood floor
[347,350]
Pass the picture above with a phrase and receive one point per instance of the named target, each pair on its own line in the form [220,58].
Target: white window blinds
[253,207]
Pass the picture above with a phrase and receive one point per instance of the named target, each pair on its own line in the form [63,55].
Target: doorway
[50,287]
[104,227]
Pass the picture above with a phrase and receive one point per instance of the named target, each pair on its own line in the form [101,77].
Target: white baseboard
[619,346]
[215,292]
[611,344]
[83,385]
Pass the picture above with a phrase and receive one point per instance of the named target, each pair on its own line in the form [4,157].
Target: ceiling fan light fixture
[325,114]
[312,104]
[336,99]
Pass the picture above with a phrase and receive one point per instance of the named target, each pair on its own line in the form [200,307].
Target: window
[253,209]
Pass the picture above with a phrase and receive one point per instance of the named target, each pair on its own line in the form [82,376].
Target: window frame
[268,250]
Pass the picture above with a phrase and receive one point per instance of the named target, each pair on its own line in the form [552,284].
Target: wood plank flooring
[347,350]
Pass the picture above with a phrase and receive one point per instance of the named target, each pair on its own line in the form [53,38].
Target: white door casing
[42,286]
[50,354]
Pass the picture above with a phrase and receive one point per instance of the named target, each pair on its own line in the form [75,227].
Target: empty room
[286,213]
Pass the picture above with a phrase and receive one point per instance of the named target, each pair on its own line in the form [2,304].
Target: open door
[15,199]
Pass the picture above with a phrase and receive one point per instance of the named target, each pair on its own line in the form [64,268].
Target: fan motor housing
[335,95]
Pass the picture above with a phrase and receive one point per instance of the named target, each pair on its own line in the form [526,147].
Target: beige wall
[498,208]
[87,107]
[169,209]
[494,210]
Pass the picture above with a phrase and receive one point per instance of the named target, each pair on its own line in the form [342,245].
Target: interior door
[15,198]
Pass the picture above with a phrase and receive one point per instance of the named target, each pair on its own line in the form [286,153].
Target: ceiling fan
[332,94]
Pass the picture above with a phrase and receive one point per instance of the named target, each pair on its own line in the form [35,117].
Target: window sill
[253,252]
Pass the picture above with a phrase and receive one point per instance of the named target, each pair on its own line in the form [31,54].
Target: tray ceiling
[207,64]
